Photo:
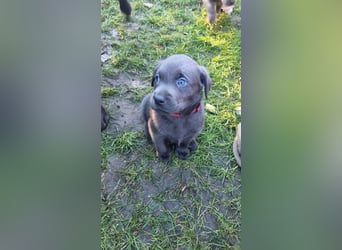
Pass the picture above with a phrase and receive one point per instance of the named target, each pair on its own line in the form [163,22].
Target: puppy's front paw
[164,156]
[182,153]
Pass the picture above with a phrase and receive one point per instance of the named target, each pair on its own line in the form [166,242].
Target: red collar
[198,108]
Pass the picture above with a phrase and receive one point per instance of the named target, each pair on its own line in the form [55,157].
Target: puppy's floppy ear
[205,80]
[154,73]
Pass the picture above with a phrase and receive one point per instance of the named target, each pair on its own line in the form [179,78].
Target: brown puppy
[216,6]
[173,113]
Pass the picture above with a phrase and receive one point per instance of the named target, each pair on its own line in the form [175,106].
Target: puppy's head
[228,6]
[178,83]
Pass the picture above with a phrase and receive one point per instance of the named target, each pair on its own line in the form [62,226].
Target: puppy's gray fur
[174,112]
[215,6]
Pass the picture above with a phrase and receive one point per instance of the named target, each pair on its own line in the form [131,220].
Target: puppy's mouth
[171,107]
[161,109]
[166,107]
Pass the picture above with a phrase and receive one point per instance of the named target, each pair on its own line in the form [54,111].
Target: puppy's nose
[159,99]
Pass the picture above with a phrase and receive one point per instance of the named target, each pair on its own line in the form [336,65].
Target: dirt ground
[123,111]
[175,183]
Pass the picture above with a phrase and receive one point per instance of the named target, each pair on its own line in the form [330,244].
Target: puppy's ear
[205,80]
[154,73]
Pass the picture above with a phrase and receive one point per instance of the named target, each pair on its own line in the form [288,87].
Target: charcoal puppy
[216,6]
[173,113]
[125,7]
[104,118]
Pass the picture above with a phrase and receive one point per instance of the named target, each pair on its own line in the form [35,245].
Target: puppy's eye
[181,82]
[156,78]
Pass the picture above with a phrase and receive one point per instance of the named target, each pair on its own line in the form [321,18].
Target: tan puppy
[216,6]
[237,145]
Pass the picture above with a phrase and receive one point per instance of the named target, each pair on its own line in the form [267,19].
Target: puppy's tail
[125,7]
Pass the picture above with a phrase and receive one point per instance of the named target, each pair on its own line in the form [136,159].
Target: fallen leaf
[157,47]
[148,5]
[210,108]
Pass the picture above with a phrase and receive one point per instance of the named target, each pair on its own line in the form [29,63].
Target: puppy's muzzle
[163,101]
[159,100]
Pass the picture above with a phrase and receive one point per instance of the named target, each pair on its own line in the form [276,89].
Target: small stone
[114,33]
[105,57]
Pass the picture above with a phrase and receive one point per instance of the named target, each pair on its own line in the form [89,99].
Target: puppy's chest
[179,129]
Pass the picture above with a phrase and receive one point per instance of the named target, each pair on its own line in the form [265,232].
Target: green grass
[192,204]
[106,92]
